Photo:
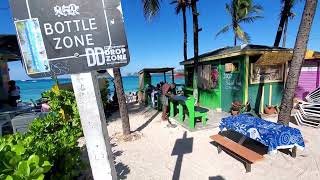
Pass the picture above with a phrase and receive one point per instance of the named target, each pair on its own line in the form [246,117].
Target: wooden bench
[246,155]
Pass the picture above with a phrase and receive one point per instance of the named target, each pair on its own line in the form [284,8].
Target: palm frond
[256,8]
[249,19]
[224,30]
[229,9]
[246,38]
[150,8]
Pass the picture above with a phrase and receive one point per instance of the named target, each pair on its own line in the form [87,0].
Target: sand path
[155,155]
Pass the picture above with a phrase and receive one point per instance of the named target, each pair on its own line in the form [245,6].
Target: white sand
[150,157]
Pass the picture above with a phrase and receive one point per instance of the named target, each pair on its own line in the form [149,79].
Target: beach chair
[4,119]
[21,122]
[314,96]
[195,112]
[308,114]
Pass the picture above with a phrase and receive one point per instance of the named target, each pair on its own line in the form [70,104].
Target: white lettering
[68,25]
[57,44]
[90,53]
[61,26]
[92,23]
[89,40]
[48,28]
[78,40]
[77,24]
[65,42]
[84,26]
[99,52]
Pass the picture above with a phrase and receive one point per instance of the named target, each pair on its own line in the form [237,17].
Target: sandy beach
[175,153]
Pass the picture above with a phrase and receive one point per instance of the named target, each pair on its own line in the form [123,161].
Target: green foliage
[49,149]
[105,94]
[17,163]
[241,11]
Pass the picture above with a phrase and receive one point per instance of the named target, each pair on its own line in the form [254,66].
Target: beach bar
[247,73]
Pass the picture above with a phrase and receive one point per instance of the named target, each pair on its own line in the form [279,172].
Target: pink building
[310,75]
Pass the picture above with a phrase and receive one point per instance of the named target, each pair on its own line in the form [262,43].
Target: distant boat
[23,80]
[179,75]
[34,81]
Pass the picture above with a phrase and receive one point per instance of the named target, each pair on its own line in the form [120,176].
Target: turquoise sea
[32,89]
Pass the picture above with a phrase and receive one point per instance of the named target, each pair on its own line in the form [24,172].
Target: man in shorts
[167,92]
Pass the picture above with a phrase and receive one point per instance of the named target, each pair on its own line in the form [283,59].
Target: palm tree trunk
[284,40]
[297,60]
[195,15]
[185,34]
[283,19]
[235,39]
[122,101]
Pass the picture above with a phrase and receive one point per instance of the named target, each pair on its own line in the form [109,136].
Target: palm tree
[181,6]
[285,14]
[241,11]
[122,101]
[299,51]
[196,30]
[150,8]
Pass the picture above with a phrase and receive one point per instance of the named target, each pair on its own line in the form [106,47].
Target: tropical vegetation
[241,11]
[285,14]
[49,150]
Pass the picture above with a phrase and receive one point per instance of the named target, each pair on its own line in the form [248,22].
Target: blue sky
[160,42]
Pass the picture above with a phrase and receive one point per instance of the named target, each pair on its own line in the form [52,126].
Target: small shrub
[49,149]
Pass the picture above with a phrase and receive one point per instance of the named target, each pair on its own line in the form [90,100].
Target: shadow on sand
[216,178]
[182,146]
[122,169]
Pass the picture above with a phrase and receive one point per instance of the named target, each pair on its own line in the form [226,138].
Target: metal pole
[172,76]
[93,121]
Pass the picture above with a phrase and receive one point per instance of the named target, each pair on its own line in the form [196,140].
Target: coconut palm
[181,6]
[241,11]
[299,51]
[286,13]
[196,30]
[150,8]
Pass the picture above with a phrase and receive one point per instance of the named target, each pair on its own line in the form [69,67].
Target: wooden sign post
[76,37]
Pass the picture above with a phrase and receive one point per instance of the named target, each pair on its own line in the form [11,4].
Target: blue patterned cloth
[273,135]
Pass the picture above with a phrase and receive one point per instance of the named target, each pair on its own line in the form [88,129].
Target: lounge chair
[4,118]
[21,122]
[314,96]
[308,114]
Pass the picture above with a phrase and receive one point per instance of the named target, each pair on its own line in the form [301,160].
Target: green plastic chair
[195,112]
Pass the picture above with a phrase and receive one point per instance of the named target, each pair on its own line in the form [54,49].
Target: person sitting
[45,106]
[154,95]
[14,93]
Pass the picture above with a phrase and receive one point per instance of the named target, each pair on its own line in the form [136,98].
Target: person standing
[167,91]
[14,93]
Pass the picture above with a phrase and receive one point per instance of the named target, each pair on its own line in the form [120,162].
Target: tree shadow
[216,178]
[122,169]
[144,125]
[182,146]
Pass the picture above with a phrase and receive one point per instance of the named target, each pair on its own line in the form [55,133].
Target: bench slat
[238,149]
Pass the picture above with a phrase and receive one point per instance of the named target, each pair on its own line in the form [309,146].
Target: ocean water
[32,89]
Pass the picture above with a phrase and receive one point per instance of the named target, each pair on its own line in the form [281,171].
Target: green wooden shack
[246,73]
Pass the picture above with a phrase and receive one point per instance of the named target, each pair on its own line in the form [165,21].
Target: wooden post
[172,76]
[93,121]
[164,77]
